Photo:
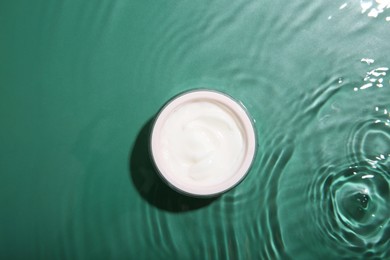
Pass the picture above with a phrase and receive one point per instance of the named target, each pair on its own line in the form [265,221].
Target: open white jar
[203,142]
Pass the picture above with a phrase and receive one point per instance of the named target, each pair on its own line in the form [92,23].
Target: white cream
[202,142]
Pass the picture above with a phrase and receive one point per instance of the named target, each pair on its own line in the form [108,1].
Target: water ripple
[351,210]
[263,190]
[369,140]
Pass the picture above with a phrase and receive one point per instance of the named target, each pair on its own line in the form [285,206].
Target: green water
[80,82]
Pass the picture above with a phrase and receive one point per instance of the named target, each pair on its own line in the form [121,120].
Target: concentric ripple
[352,212]
[370,141]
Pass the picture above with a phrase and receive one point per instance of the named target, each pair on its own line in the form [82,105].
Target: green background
[80,82]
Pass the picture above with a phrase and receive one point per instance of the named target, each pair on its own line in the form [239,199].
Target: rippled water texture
[80,82]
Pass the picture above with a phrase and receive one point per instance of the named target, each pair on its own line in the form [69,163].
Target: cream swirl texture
[202,142]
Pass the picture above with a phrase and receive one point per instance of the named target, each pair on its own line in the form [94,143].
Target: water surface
[80,82]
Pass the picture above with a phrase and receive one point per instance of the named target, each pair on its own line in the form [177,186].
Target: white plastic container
[203,142]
